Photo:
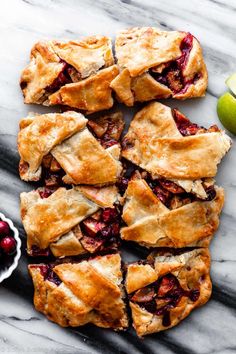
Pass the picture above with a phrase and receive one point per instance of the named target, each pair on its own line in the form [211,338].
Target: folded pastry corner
[74,73]
[166,143]
[74,294]
[69,222]
[165,288]
[158,64]
[159,213]
[66,147]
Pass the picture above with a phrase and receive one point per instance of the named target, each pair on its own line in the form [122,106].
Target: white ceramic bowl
[6,272]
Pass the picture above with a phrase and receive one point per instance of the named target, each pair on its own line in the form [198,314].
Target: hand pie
[164,290]
[165,143]
[158,64]
[70,148]
[161,214]
[70,222]
[73,294]
[75,73]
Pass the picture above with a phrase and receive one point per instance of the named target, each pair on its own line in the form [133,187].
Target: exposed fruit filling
[106,131]
[171,74]
[7,245]
[174,196]
[168,192]
[161,296]
[67,75]
[100,232]
[187,128]
[47,272]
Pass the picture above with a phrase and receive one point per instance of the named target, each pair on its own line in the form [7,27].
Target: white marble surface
[211,329]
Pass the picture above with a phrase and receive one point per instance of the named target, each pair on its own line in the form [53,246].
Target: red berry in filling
[46,192]
[91,227]
[8,245]
[122,184]
[167,284]
[36,251]
[162,194]
[171,186]
[4,228]
[109,215]
[143,295]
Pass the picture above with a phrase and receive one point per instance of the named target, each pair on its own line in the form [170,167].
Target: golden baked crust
[191,269]
[154,143]
[142,52]
[89,291]
[53,222]
[40,133]
[152,224]
[82,156]
[74,147]
[80,72]
[90,95]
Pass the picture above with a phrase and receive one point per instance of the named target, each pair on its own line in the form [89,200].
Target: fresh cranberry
[8,245]
[4,228]
[109,214]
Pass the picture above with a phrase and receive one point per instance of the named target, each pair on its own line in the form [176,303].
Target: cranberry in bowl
[10,244]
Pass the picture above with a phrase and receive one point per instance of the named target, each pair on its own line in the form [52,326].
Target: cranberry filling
[187,128]
[172,75]
[35,251]
[122,184]
[46,192]
[52,175]
[101,233]
[109,135]
[162,296]
[47,272]
[184,125]
[66,76]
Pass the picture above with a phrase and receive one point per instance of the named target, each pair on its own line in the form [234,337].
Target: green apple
[226,109]
[231,83]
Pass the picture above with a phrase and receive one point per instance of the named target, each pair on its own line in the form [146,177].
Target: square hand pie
[165,143]
[73,294]
[69,144]
[75,73]
[158,64]
[164,290]
[161,214]
[70,222]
